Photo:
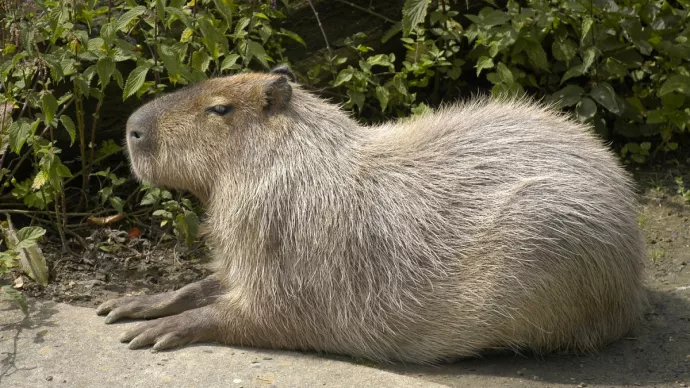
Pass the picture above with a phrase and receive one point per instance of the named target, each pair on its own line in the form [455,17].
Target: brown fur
[486,225]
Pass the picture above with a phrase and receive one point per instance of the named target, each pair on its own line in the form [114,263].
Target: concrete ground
[60,345]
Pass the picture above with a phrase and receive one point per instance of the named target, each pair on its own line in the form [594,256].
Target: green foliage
[682,191]
[14,296]
[622,67]
[17,244]
[60,60]
[180,214]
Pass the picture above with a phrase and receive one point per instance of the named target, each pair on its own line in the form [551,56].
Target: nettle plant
[623,67]
[432,63]
[60,61]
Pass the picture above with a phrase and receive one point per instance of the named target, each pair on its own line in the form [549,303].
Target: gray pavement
[60,345]
[65,346]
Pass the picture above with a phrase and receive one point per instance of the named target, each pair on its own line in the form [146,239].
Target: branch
[369,11]
[328,46]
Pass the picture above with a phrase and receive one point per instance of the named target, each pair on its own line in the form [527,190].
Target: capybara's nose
[137,135]
[140,127]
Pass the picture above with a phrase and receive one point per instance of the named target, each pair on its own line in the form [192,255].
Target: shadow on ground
[11,331]
[658,353]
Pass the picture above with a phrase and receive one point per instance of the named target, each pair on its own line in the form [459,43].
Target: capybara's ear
[277,94]
[284,70]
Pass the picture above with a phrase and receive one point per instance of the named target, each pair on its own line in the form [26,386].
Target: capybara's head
[186,139]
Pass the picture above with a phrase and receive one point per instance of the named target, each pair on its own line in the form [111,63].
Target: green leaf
[215,41]
[588,59]
[19,132]
[169,59]
[345,75]
[379,60]
[676,83]
[229,62]
[241,26]
[256,50]
[586,109]
[293,36]
[63,171]
[118,78]
[40,179]
[505,74]
[494,18]
[382,95]
[587,23]
[672,101]
[95,45]
[49,105]
[568,96]
[200,60]
[160,9]
[180,15]
[414,12]
[537,55]
[82,86]
[574,71]
[105,67]
[69,126]
[135,81]
[224,7]
[357,98]
[614,68]
[108,33]
[564,50]
[484,63]
[29,234]
[186,35]
[9,293]
[162,213]
[393,31]
[656,116]
[117,203]
[124,20]
[604,94]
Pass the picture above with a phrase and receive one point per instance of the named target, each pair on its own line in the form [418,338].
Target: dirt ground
[657,355]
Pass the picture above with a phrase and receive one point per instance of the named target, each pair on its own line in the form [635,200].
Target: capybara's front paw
[171,332]
[136,307]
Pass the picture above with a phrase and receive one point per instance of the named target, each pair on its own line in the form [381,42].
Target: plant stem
[48,213]
[316,14]
[92,145]
[84,169]
[81,130]
[367,10]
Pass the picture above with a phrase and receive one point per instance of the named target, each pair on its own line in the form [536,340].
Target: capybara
[487,225]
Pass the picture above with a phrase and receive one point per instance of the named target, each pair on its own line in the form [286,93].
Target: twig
[21,113]
[92,146]
[316,14]
[28,152]
[369,11]
[96,161]
[47,213]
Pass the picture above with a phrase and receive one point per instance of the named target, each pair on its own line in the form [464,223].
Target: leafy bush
[59,64]
[623,68]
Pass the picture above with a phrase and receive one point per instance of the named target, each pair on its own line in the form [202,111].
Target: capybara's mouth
[139,164]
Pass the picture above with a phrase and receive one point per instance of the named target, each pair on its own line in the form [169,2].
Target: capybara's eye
[220,110]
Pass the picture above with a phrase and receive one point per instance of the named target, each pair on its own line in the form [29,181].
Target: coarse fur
[490,224]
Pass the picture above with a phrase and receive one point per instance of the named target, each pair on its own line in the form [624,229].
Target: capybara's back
[487,225]
[530,216]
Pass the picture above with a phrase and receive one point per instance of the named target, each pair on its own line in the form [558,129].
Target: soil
[658,354]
